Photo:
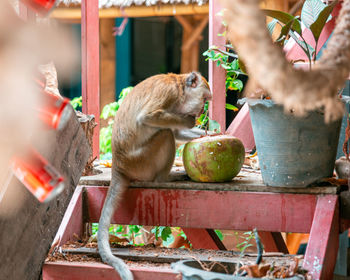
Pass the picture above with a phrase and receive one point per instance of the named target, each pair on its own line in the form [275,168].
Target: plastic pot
[292,151]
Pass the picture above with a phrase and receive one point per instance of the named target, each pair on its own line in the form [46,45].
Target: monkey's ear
[192,80]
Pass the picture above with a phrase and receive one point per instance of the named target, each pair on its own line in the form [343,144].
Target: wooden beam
[217,74]
[185,208]
[134,11]
[184,22]
[91,65]
[196,32]
[322,248]
[187,55]
[191,35]
[93,271]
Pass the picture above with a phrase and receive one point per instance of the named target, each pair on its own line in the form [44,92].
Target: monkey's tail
[117,188]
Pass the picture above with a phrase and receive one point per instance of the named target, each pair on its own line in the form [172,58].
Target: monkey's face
[197,93]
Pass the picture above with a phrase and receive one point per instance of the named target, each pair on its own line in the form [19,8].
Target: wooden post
[322,248]
[191,36]
[90,64]
[217,74]
[108,65]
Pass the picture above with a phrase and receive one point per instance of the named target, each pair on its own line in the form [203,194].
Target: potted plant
[226,58]
[295,151]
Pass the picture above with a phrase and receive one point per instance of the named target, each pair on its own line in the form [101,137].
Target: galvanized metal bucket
[292,151]
[192,270]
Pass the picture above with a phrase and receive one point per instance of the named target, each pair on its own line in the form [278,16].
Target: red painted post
[221,210]
[241,127]
[217,75]
[273,242]
[322,248]
[72,222]
[90,64]
[203,239]
[96,271]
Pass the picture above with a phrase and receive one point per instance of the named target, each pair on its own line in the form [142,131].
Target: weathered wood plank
[94,271]
[222,209]
[247,181]
[26,235]
[165,255]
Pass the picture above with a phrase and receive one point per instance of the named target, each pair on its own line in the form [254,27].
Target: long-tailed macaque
[156,111]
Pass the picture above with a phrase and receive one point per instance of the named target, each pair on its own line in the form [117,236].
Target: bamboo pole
[72,13]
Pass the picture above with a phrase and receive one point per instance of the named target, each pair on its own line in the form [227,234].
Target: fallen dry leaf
[106,163]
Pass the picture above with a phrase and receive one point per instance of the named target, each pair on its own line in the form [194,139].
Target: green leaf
[219,234]
[285,18]
[77,102]
[234,84]
[271,25]
[169,240]
[119,228]
[231,107]
[155,231]
[310,11]
[166,232]
[317,27]
[284,32]
[109,110]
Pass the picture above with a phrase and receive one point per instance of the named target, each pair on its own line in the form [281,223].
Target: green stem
[308,50]
[315,53]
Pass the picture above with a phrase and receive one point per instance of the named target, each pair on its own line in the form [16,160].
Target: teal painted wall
[123,57]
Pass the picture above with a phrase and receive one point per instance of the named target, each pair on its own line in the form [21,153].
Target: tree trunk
[295,89]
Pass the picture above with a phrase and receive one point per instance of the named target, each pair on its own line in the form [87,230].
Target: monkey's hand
[189,121]
[164,119]
[188,134]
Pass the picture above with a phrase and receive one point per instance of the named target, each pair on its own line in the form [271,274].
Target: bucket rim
[209,275]
[254,102]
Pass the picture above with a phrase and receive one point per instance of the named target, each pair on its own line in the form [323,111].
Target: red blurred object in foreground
[54,110]
[42,7]
[38,175]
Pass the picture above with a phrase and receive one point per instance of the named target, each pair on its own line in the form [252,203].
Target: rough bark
[295,89]
[28,230]
[87,122]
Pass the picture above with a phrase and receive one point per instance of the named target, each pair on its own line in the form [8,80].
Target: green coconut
[213,158]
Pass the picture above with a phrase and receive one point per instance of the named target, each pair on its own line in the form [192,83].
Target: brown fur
[143,141]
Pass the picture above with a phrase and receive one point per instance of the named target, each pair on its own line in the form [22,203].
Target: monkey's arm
[188,134]
[164,119]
